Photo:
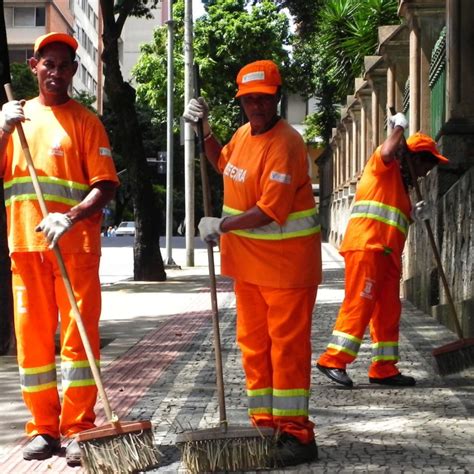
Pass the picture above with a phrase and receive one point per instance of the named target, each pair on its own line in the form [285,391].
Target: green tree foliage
[224,41]
[331,49]
[25,83]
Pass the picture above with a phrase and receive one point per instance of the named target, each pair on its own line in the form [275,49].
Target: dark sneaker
[73,453]
[41,446]
[337,375]
[290,451]
[398,380]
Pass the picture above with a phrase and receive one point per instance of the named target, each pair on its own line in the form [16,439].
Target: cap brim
[57,38]
[256,89]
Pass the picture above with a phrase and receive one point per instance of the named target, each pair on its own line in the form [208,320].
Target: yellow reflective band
[342,349]
[287,235]
[48,180]
[47,197]
[259,392]
[37,370]
[277,412]
[78,383]
[384,344]
[293,392]
[78,364]
[39,388]
[347,336]
[384,357]
[259,411]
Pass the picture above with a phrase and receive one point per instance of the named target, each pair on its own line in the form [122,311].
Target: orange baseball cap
[259,77]
[54,37]
[421,142]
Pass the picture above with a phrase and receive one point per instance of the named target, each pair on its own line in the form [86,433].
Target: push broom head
[229,449]
[118,448]
[455,357]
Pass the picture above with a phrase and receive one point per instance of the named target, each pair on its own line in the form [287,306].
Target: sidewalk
[157,364]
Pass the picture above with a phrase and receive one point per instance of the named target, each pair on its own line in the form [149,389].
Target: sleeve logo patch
[280,177]
[105,151]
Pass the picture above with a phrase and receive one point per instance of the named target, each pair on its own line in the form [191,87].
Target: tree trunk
[6,300]
[148,263]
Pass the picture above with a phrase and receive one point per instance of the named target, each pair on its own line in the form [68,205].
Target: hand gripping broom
[225,448]
[117,447]
[457,355]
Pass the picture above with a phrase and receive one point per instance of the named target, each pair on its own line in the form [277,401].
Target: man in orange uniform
[72,156]
[372,249]
[271,247]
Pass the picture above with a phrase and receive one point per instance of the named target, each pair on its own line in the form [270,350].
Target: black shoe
[338,375]
[290,451]
[41,446]
[398,380]
[73,453]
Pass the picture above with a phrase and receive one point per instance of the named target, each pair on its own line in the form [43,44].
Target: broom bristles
[227,454]
[119,454]
[455,357]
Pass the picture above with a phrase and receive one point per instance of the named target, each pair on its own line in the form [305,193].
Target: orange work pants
[274,335]
[372,296]
[39,295]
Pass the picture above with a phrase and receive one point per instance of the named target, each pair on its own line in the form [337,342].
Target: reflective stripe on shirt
[298,224]
[53,189]
[381,212]
[37,379]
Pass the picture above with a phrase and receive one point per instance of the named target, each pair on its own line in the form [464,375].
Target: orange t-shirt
[380,182]
[271,171]
[71,152]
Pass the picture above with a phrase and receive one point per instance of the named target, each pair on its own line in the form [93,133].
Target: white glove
[12,114]
[195,110]
[421,211]
[210,228]
[53,226]
[398,120]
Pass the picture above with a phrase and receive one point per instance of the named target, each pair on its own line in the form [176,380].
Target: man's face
[260,110]
[423,163]
[54,70]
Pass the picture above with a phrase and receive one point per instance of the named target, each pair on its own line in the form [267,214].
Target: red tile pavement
[126,380]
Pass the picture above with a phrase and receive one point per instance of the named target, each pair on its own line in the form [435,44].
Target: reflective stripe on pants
[274,335]
[39,295]
[372,296]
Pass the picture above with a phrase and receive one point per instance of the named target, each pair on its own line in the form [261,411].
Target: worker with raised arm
[372,249]
[73,161]
[270,245]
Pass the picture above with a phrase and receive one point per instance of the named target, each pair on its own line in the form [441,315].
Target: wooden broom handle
[206,193]
[66,280]
[433,245]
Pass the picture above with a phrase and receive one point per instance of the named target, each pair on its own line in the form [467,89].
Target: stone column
[363,93]
[376,75]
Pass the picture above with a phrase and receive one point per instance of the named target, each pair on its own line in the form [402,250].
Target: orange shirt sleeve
[285,170]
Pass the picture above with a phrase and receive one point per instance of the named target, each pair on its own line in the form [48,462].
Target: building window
[20,55]
[28,16]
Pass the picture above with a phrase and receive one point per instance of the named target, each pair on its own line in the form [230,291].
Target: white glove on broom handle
[67,282]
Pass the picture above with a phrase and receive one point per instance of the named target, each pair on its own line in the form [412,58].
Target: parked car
[125,228]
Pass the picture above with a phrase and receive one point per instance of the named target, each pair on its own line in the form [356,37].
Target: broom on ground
[225,448]
[458,355]
[117,447]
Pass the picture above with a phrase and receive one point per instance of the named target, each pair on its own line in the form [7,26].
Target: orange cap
[259,77]
[421,142]
[53,37]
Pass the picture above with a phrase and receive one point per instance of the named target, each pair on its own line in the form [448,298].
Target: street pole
[188,134]
[169,142]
